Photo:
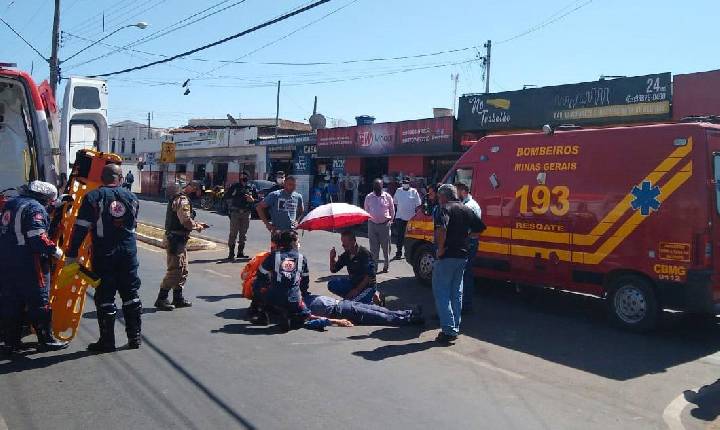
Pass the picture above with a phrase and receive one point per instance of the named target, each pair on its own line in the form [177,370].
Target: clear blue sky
[613,37]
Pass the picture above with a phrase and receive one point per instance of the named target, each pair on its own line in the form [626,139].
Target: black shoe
[162,303]
[46,341]
[445,339]
[261,319]
[416,316]
[179,301]
[134,343]
[106,343]
[231,256]
[101,346]
[133,323]
[241,254]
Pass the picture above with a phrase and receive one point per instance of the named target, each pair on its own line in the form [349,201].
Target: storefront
[422,149]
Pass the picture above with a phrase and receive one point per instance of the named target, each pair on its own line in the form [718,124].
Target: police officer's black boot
[241,253]
[106,343]
[162,303]
[12,336]
[43,330]
[178,300]
[231,254]
[133,322]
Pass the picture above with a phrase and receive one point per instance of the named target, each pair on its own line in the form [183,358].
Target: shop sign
[336,141]
[310,149]
[622,100]
[302,163]
[425,136]
[300,139]
[338,166]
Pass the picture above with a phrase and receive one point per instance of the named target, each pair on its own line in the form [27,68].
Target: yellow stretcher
[69,284]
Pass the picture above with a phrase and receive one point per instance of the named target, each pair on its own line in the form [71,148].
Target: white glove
[58,253]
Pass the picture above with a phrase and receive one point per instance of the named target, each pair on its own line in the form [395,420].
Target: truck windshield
[462,174]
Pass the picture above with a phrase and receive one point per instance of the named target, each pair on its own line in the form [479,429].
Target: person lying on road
[361,313]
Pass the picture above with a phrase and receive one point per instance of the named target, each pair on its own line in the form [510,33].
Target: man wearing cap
[240,198]
[408,201]
[179,223]
[25,252]
[110,214]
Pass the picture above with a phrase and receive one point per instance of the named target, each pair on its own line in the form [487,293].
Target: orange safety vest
[249,273]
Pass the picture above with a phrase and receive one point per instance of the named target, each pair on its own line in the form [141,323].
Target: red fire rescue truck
[631,214]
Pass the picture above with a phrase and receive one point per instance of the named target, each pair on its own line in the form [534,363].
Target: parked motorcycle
[212,199]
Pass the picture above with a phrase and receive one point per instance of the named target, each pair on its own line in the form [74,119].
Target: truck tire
[423,260]
[633,304]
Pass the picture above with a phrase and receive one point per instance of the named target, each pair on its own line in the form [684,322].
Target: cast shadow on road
[27,361]
[390,351]
[706,401]
[249,329]
[391,334]
[214,299]
[222,260]
[572,330]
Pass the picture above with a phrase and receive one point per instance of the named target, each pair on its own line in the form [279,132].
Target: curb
[205,244]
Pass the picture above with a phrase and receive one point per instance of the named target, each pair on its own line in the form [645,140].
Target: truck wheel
[424,258]
[633,305]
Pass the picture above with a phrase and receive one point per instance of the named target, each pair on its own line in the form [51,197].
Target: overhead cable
[221,41]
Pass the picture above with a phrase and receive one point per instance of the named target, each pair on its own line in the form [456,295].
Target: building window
[112,148]
[122,145]
[132,146]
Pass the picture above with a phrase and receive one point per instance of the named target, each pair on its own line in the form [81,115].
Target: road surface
[553,363]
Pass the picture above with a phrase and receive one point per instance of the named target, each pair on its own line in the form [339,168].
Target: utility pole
[54,61]
[454,77]
[148,125]
[277,111]
[487,46]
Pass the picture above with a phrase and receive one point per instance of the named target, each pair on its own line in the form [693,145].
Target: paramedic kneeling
[360,286]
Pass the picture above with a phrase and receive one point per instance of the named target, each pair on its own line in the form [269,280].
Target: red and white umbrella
[333,216]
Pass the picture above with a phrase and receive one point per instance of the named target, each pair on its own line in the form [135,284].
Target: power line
[283,37]
[89,23]
[162,32]
[221,41]
[548,21]
[23,39]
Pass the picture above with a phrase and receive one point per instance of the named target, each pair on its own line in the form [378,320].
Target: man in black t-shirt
[361,285]
[453,223]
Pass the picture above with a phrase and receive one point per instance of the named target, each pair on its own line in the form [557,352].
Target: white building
[130,139]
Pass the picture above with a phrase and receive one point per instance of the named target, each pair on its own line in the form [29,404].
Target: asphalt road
[550,363]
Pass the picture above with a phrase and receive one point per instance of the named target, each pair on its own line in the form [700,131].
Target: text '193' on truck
[34,142]
[630,214]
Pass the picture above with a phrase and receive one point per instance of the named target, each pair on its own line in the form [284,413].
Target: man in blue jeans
[473,240]
[360,285]
[453,224]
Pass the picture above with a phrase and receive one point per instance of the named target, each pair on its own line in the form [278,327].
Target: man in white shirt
[408,201]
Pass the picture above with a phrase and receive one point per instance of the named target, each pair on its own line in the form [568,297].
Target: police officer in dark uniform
[283,279]
[25,252]
[241,198]
[110,212]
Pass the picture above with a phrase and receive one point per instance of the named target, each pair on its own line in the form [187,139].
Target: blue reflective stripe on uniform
[33,233]
[83,223]
[18,225]
[263,270]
